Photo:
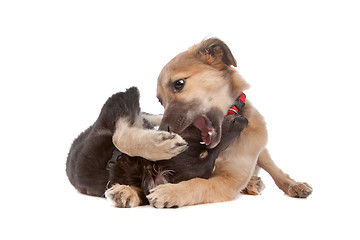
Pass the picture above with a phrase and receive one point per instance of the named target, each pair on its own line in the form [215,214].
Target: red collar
[239,104]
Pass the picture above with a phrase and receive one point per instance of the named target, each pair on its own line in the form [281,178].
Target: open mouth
[208,132]
[178,117]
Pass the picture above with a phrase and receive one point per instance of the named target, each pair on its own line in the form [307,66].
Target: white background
[60,61]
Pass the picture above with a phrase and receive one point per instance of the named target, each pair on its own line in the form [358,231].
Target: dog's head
[197,87]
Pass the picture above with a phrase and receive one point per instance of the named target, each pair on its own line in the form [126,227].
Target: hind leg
[255,186]
[283,180]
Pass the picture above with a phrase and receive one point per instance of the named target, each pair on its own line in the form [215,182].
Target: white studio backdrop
[61,60]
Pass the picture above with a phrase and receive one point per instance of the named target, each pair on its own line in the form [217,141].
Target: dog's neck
[239,104]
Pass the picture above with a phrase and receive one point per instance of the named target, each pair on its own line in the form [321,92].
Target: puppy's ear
[216,52]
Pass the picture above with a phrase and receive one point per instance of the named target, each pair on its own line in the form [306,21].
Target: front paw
[165,196]
[168,145]
[123,196]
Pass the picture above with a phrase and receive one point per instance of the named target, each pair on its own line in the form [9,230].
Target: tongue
[206,128]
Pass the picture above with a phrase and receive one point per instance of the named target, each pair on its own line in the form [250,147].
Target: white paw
[168,145]
[123,196]
[165,196]
[300,190]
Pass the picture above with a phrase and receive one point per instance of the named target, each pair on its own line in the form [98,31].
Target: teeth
[210,133]
[202,143]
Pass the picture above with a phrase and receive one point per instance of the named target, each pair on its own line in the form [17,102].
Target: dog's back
[91,150]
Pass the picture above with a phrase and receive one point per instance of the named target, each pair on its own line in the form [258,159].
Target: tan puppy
[199,86]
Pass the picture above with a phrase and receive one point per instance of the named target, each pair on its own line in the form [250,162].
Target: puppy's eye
[179,85]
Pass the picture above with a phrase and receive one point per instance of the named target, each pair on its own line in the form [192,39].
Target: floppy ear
[214,51]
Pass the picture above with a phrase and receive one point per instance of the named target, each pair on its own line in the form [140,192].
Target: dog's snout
[164,127]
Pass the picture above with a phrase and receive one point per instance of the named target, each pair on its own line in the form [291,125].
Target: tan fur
[153,119]
[211,81]
[147,143]
[283,180]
